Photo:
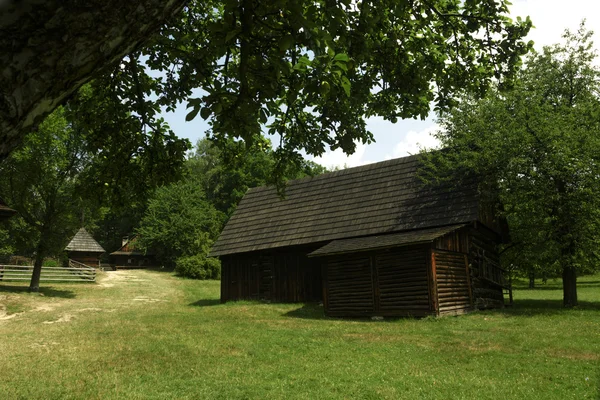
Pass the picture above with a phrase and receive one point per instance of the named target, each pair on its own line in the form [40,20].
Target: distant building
[84,249]
[128,257]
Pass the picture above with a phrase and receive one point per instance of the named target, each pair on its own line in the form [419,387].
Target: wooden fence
[74,272]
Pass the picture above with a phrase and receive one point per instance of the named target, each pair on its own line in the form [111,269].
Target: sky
[550,19]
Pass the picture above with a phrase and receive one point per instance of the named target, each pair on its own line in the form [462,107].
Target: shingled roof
[373,199]
[84,242]
[367,243]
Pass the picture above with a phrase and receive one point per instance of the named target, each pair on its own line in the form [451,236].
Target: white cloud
[551,17]
[337,158]
[414,141]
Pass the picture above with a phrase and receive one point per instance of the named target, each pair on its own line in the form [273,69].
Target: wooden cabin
[84,249]
[5,211]
[367,241]
[128,257]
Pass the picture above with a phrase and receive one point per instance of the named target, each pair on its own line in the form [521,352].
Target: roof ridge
[345,171]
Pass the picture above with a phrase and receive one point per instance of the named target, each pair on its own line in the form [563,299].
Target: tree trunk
[34,286]
[531,280]
[49,48]
[569,278]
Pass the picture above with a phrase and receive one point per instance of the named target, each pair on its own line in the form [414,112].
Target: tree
[225,174]
[40,181]
[179,222]
[132,156]
[537,149]
[308,71]
[49,49]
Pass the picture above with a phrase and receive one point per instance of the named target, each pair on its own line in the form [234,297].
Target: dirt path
[63,303]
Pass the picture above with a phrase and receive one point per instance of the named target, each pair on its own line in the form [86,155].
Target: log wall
[89,259]
[282,276]
[453,283]
[444,277]
[390,282]
[479,243]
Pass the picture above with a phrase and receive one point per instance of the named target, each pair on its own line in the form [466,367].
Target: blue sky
[550,18]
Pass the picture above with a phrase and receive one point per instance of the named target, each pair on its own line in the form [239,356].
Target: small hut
[128,256]
[367,241]
[5,211]
[84,249]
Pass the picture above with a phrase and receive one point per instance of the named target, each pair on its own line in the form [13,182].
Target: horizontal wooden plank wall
[403,281]
[453,282]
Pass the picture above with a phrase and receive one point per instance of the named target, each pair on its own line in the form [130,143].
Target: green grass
[155,336]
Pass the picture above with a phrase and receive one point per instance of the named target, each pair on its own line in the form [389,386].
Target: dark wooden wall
[392,282]
[488,277]
[281,276]
[453,274]
[138,261]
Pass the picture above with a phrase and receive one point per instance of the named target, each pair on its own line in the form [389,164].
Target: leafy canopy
[179,222]
[310,72]
[537,149]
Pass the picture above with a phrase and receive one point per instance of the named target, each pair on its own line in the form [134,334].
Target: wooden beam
[469,279]
[433,283]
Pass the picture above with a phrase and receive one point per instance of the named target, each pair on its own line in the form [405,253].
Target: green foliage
[40,181]
[133,150]
[198,267]
[179,222]
[311,72]
[225,174]
[183,219]
[537,149]
[6,244]
[50,262]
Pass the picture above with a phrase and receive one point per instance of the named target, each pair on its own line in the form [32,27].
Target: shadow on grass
[45,291]
[307,311]
[206,303]
[316,311]
[521,308]
[532,307]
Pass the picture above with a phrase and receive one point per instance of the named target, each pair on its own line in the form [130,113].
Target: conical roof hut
[83,248]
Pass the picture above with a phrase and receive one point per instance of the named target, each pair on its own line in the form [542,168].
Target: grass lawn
[150,335]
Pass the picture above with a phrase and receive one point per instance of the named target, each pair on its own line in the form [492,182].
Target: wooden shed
[84,249]
[367,241]
[129,257]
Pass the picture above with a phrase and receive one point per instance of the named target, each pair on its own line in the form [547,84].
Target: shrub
[198,267]
[19,260]
[50,263]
